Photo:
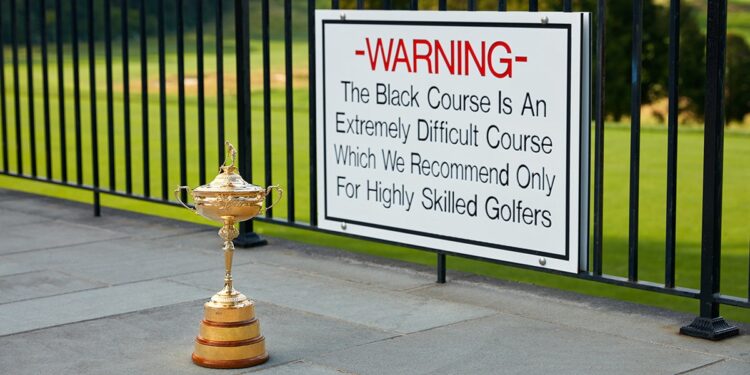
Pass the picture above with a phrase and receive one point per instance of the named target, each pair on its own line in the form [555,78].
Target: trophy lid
[228,181]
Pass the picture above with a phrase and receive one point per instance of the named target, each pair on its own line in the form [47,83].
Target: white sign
[465,132]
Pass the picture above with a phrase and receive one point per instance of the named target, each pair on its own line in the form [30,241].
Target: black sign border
[566,27]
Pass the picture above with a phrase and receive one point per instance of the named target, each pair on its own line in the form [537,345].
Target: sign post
[464,132]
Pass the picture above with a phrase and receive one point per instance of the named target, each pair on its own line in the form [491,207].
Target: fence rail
[157,177]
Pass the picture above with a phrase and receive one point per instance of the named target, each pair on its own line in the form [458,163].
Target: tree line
[655,59]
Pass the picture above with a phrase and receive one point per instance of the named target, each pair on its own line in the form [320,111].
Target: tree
[737,82]
[692,76]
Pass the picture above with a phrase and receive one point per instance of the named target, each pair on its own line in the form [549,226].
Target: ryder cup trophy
[229,332]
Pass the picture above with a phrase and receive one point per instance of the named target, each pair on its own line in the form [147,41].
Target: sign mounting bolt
[342,15]
[343,225]
[542,261]
[545,20]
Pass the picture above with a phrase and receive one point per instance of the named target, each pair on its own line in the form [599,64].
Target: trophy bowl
[228,196]
[229,332]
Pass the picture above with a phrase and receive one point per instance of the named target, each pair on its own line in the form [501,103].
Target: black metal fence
[71,151]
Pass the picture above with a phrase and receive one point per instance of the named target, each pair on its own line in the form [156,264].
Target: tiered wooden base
[229,337]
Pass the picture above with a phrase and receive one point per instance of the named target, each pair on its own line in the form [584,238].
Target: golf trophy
[229,332]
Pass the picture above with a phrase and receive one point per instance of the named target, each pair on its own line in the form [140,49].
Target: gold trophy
[229,333]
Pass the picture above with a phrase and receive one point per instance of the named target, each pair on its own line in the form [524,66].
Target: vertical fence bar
[635,137]
[30,88]
[3,103]
[144,100]
[92,92]
[360,4]
[201,95]
[126,96]
[441,268]
[443,5]
[599,140]
[674,65]
[414,5]
[313,112]
[502,5]
[220,78]
[16,85]
[289,109]
[471,5]
[110,98]
[163,106]
[181,97]
[77,95]
[267,101]
[533,5]
[386,4]
[335,4]
[709,324]
[45,90]
[567,6]
[244,121]
[61,95]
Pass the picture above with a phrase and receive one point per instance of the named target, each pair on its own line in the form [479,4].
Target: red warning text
[454,57]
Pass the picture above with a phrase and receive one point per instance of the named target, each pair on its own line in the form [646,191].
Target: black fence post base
[440,268]
[710,328]
[97,205]
[251,239]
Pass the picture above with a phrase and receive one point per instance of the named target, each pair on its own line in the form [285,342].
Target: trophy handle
[177,196]
[268,191]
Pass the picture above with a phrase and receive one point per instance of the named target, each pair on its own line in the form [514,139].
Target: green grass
[738,18]
[739,22]
[735,231]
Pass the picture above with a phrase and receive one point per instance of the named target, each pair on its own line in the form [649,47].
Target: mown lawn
[736,243]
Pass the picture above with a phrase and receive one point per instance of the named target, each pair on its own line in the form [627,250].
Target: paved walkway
[122,294]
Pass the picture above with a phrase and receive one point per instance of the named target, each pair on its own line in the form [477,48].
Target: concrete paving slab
[635,322]
[46,207]
[50,234]
[379,308]
[30,285]
[307,259]
[20,218]
[143,227]
[126,260]
[161,340]
[300,367]
[512,345]
[292,335]
[11,194]
[8,267]
[92,304]
[205,239]
[327,263]
[723,367]
[314,260]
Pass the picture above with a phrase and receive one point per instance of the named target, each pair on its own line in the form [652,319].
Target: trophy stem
[228,232]
[228,255]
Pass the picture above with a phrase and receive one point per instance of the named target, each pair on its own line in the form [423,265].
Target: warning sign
[460,131]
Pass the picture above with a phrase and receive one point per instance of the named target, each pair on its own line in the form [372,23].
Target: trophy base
[229,336]
[241,363]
